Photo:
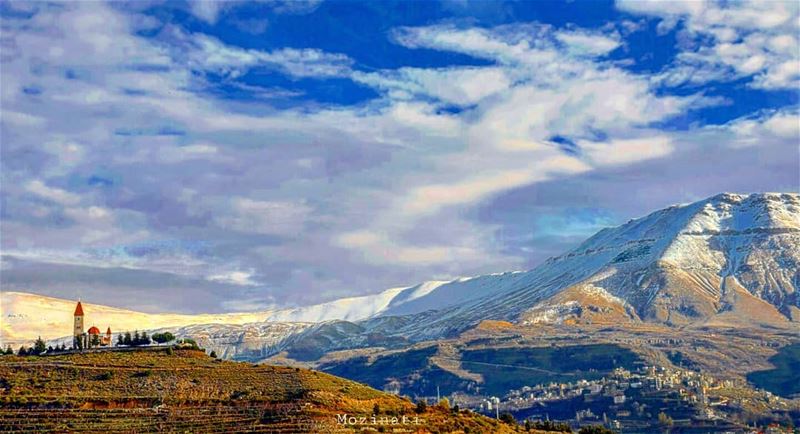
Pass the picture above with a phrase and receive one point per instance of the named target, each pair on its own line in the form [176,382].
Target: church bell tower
[78,329]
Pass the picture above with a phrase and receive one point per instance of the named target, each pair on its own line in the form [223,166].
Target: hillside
[188,391]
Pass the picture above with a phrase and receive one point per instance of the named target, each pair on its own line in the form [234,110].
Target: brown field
[153,391]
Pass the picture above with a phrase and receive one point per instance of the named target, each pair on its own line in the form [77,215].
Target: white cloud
[206,10]
[460,86]
[54,194]
[624,151]
[748,39]
[207,53]
[22,119]
[241,278]
[581,42]
[768,128]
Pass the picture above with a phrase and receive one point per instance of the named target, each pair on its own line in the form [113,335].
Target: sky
[240,156]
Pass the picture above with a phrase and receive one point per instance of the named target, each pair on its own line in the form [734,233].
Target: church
[92,338]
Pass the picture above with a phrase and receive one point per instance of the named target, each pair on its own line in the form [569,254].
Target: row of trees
[126,339]
[139,339]
[38,347]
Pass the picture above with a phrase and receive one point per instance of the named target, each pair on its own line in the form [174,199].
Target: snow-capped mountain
[729,260]
[26,316]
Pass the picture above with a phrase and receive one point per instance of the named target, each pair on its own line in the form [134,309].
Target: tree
[120,341]
[376,409]
[664,419]
[144,339]
[22,351]
[137,339]
[39,346]
[508,418]
[9,351]
[444,403]
[422,406]
[50,349]
[213,354]
[94,341]
[161,338]
[128,340]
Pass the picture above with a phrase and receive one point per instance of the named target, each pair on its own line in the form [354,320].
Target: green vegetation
[163,337]
[39,346]
[504,369]
[508,418]
[784,380]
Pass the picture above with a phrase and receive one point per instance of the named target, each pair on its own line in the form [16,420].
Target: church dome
[94,330]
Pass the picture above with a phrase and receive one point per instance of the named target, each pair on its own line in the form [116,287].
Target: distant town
[627,400]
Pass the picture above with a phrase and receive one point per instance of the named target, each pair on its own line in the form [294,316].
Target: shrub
[508,418]
[422,406]
[105,376]
[163,337]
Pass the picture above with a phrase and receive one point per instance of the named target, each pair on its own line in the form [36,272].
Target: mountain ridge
[685,265]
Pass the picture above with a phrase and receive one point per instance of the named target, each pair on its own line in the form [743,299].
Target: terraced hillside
[187,391]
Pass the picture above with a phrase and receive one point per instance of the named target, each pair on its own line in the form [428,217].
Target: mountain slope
[187,391]
[27,316]
[681,265]
[729,260]
[687,264]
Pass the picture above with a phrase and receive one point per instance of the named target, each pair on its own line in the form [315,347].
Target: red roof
[94,330]
[79,309]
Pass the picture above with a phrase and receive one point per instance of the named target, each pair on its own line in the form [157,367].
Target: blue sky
[222,156]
